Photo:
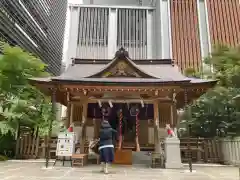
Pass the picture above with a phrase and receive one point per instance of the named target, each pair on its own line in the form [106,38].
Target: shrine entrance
[127,117]
[123,121]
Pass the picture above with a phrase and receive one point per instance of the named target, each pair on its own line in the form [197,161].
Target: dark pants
[107,155]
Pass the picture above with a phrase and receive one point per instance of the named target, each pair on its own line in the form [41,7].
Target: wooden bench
[79,160]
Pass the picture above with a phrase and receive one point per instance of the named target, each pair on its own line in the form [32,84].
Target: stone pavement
[35,171]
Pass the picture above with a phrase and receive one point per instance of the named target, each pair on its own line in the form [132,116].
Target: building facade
[37,26]
[183,30]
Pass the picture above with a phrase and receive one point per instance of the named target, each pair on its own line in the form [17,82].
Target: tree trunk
[17,135]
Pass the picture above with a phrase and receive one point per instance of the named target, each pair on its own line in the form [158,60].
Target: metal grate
[93,32]
[132,32]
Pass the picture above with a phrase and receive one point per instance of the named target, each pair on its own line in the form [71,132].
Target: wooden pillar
[71,113]
[95,126]
[50,126]
[172,115]
[173,119]
[84,125]
[156,127]
[174,111]
[137,132]
[68,110]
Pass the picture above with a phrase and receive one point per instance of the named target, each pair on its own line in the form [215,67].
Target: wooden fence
[27,147]
[202,150]
[30,147]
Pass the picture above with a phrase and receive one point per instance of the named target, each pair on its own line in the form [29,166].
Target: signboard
[66,144]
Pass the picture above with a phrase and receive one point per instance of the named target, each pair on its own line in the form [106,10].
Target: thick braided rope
[137,124]
[120,130]
[120,123]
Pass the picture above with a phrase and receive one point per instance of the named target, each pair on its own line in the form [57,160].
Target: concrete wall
[158,38]
[117,2]
[231,151]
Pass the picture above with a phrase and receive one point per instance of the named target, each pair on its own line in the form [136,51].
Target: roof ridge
[76,61]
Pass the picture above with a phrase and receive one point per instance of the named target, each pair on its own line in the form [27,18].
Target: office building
[183,30]
[37,26]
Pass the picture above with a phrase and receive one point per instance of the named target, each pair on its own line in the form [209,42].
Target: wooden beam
[101,88]
[122,100]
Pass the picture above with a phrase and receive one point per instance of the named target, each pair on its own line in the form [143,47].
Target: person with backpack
[106,145]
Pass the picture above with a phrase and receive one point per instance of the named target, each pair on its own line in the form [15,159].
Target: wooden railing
[202,150]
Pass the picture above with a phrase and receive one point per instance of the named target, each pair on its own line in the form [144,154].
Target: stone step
[142,157]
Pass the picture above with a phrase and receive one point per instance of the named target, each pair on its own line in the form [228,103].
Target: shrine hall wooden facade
[155,86]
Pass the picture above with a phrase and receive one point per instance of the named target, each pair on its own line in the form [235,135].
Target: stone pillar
[172,153]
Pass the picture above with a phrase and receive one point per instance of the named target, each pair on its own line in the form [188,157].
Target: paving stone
[35,171]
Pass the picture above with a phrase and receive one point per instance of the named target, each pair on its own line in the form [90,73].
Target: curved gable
[121,66]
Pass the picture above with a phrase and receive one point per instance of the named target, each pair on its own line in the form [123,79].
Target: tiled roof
[156,71]
[163,73]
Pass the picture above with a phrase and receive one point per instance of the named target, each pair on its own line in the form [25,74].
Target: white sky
[74,1]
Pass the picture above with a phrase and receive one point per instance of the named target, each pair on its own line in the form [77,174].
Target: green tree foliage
[191,72]
[16,66]
[226,64]
[22,106]
[217,113]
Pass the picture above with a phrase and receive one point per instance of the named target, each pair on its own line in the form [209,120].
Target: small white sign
[66,144]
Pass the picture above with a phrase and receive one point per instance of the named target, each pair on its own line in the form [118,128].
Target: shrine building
[133,95]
